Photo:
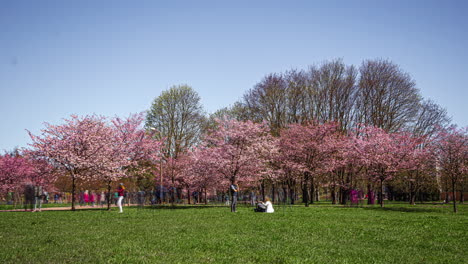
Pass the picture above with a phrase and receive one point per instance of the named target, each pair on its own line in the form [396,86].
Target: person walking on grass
[121,192]
[234,194]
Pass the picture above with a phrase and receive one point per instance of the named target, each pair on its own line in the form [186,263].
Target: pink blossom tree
[307,149]
[133,150]
[238,151]
[13,171]
[383,153]
[452,146]
[199,172]
[343,164]
[418,164]
[81,147]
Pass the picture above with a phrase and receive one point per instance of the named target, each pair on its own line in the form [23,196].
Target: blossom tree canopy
[13,171]
[239,150]
[81,147]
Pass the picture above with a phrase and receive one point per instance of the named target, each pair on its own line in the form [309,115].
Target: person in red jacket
[121,191]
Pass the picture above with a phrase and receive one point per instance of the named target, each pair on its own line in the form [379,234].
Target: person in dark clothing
[28,197]
[261,208]
[234,194]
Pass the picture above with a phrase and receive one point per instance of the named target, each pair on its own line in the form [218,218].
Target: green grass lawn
[319,234]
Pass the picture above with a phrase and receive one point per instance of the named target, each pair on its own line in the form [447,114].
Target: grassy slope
[319,234]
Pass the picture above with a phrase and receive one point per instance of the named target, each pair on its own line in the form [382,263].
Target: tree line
[332,127]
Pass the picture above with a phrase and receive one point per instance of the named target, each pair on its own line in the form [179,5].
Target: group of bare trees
[378,93]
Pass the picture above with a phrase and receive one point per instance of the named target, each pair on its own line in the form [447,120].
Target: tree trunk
[109,197]
[73,192]
[206,200]
[381,194]
[370,195]
[412,195]
[292,193]
[343,195]
[188,195]
[454,196]
[312,190]
[273,193]
[305,191]
[172,192]
[333,194]
[285,194]
[262,186]
[413,200]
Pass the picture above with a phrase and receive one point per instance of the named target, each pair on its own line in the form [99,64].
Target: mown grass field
[197,234]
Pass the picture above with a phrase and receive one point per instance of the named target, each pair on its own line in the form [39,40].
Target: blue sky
[114,57]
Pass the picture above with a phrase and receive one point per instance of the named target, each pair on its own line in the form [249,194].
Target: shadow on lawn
[179,207]
[408,209]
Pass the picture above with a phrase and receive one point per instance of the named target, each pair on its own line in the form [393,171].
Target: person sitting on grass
[265,207]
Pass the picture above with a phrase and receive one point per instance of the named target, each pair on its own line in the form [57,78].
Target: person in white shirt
[269,206]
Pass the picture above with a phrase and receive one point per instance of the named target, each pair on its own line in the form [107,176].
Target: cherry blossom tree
[418,164]
[198,172]
[13,171]
[19,169]
[344,163]
[81,147]
[384,153]
[134,151]
[306,149]
[452,145]
[238,151]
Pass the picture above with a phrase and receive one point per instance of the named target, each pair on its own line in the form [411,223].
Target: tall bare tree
[268,101]
[298,105]
[387,96]
[429,119]
[334,92]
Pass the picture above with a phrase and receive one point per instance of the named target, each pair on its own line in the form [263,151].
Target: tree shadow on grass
[409,209]
[179,207]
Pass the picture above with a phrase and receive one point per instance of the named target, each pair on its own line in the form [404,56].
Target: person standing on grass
[29,197]
[121,192]
[38,197]
[56,197]
[86,197]
[103,198]
[234,194]
[92,198]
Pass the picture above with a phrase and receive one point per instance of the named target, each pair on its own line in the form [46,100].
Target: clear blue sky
[114,57]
